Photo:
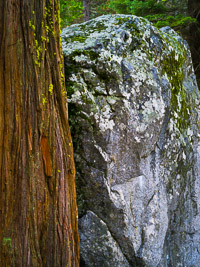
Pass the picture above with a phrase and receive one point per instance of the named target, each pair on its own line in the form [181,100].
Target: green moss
[129,23]
[122,21]
[70,89]
[80,39]
[134,31]
[93,55]
[86,99]
[82,27]
[100,26]
[173,67]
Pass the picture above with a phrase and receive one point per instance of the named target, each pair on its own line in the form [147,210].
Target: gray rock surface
[96,239]
[134,112]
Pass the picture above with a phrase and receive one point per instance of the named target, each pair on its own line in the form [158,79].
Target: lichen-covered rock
[96,238]
[134,112]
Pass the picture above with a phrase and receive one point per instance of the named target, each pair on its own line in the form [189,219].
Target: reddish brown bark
[38,212]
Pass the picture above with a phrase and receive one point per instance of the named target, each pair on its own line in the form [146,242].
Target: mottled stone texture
[134,112]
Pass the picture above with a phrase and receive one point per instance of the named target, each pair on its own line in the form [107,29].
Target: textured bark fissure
[86,11]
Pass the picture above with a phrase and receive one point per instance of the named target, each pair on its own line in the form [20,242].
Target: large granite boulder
[134,113]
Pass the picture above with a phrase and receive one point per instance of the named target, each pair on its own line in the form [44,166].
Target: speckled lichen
[132,99]
[137,36]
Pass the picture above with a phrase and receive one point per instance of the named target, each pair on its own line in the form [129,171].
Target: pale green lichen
[51,89]
[44,100]
[137,46]
[31,25]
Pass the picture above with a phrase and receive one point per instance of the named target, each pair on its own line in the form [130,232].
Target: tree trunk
[194,8]
[38,212]
[193,36]
[86,10]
